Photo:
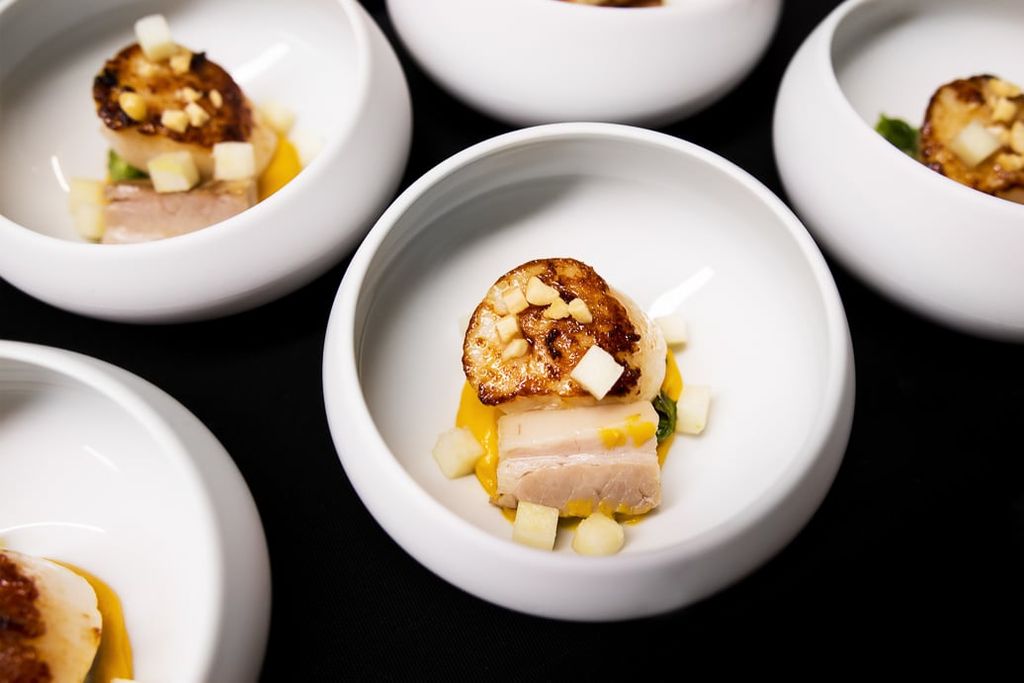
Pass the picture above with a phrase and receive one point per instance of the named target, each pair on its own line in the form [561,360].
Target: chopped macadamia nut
[557,310]
[133,105]
[1017,137]
[154,37]
[181,62]
[1004,110]
[144,68]
[175,119]
[579,311]
[508,328]
[197,116]
[1011,162]
[597,372]
[188,94]
[1003,88]
[514,300]
[515,349]
[538,293]
[215,99]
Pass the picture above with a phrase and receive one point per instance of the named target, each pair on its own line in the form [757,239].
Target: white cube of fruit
[197,116]
[154,37]
[535,525]
[86,191]
[974,144]
[514,300]
[598,534]
[89,220]
[538,293]
[233,161]
[278,116]
[508,328]
[456,452]
[597,371]
[692,409]
[175,119]
[673,327]
[307,143]
[173,172]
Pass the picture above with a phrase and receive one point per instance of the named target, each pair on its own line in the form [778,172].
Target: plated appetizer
[187,148]
[973,133]
[570,404]
[59,623]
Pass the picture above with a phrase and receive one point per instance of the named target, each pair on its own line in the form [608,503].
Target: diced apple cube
[86,191]
[278,116]
[514,300]
[597,371]
[692,409]
[89,220]
[579,311]
[233,161]
[515,349]
[154,37]
[175,119]
[673,327]
[197,116]
[538,293]
[173,172]
[456,452]
[598,534]
[974,144]
[535,525]
[508,328]
[557,310]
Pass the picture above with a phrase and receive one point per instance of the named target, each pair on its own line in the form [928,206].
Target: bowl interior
[664,225]
[82,480]
[301,54]
[890,57]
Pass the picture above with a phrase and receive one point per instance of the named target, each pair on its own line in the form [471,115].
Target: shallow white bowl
[325,59]
[538,61]
[673,226]
[104,470]
[938,247]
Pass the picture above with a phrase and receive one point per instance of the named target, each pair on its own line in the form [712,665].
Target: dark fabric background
[922,533]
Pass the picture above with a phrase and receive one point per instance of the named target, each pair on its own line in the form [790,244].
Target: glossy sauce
[283,166]
[482,421]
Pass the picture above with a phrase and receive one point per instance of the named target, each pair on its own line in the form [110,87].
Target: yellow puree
[283,166]
[482,421]
[114,656]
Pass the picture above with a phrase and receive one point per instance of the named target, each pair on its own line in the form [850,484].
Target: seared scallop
[974,134]
[189,104]
[519,355]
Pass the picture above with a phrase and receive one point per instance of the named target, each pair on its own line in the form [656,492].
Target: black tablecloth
[922,531]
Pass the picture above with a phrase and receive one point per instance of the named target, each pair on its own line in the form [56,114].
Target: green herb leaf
[119,169]
[666,409]
[899,133]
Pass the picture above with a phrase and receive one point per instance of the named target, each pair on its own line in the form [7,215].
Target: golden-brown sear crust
[556,346]
[953,106]
[159,87]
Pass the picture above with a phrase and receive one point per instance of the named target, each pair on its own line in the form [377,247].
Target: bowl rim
[92,374]
[824,55]
[348,413]
[240,223]
[689,7]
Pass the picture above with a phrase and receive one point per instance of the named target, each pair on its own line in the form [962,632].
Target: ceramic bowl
[103,470]
[675,227]
[947,251]
[325,59]
[539,61]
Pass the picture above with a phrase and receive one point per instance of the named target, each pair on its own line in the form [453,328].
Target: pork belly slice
[580,460]
[135,212]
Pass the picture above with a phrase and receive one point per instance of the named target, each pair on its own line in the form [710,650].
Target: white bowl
[325,59]
[663,221]
[102,469]
[938,247]
[538,61]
